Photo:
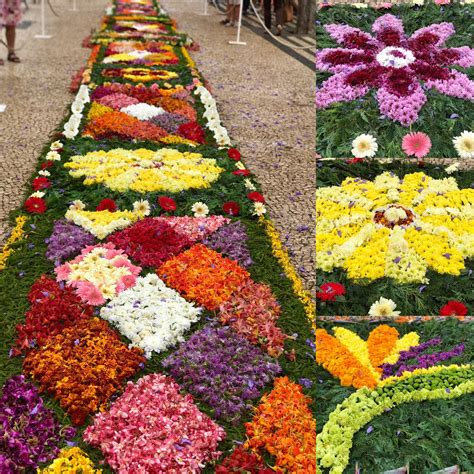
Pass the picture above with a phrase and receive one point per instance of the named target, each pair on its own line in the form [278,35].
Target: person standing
[267,14]
[10,16]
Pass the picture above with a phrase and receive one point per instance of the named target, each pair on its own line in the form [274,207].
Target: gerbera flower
[234,154]
[453,308]
[200,209]
[464,144]
[107,205]
[259,209]
[364,146]
[142,207]
[167,203]
[329,291]
[35,205]
[232,208]
[416,144]
[256,197]
[383,307]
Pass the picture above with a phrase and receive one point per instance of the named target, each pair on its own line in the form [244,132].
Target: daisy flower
[383,307]
[364,146]
[464,144]
[416,144]
[200,209]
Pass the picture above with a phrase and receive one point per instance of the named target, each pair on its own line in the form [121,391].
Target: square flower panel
[203,275]
[83,367]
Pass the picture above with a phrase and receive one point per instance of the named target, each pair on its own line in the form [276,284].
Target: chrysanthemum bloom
[397,227]
[364,146]
[383,307]
[464,144]
[416,144]
[396,65]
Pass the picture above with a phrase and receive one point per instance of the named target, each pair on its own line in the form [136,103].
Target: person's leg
[278,6]
[267,13]
[245,7]
[227,18]
[11,33]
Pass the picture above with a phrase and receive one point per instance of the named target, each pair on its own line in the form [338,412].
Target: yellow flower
[392,227]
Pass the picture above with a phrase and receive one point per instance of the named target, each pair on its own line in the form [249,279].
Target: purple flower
[222,369]
[67,240]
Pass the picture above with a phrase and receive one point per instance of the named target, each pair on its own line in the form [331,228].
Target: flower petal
[335,89]
[345,35]
[459,85]
[442,30]
[388,21]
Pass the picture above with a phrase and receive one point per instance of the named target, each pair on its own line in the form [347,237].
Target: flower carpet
[152,320]
[395,80]
[394,239]
[393,393]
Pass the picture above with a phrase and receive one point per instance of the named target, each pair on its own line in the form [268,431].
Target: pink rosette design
[399,67]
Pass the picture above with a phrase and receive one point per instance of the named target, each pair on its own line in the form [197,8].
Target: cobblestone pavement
[36,91]
[265,98]
[266,101]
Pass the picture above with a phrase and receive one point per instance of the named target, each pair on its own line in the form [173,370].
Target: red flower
[41,183]
[192,131]
[233,154]
[167,203]
[232,208]
[241,172]
[453,308]
[46,164]
[35,205]
[256,197]
[329,291]
[106,205]
[352,161]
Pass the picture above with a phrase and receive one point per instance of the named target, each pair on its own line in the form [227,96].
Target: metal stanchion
[239,25]
[74,6]
[43,34]
[205,13]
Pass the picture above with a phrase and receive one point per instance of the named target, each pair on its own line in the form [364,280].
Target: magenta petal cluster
[152,428]
[399,67]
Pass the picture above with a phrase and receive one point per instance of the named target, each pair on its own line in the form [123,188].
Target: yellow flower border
[16,235]
[282,256]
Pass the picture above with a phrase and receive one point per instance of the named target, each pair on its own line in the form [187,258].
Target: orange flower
[380,343]
[284,426]
[203,275]
[83,367]
[341,363]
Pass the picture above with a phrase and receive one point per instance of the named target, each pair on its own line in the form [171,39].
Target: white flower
[249,185]
[200,209]
[464,144]
[44,173]
[77,205]
[37,194]
[395,57]
[153,316]
[452,168]
[83,94]
[240,165]
[57,145]
[259,209]
[395,214]
[142,111]
[142,207]
[364,146]
[76,107]
[383,307]
[70,132]
[53,155]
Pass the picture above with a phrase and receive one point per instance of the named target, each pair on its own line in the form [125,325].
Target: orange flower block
[380,343]
[284,426]
[83,367]
[337,359]
[203,275]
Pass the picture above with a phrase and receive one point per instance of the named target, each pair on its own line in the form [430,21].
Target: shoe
[279,30]
[224,22]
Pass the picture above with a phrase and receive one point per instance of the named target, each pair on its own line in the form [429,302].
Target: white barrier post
[239,25]
[205,13]
[43,34]
[74,6]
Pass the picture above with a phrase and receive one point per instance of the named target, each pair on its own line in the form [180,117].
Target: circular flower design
[394,64]
[393,227]
[145,170]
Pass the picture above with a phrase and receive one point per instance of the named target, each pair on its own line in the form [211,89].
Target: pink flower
[128,281]
[416,144]
[442,2]
[62,272]
[89,293]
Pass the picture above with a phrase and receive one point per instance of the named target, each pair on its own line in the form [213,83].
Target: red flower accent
[166,203]
[232,208]
[41,183]
[329,291]
[256,197]
[367,77]
[353,161]
[357,40]
[233,154]
[192,131]
[389,36]
[453,308]
[241,172]
[106,205]
[46,164]
[35,205]
[399,82]
[347,57]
